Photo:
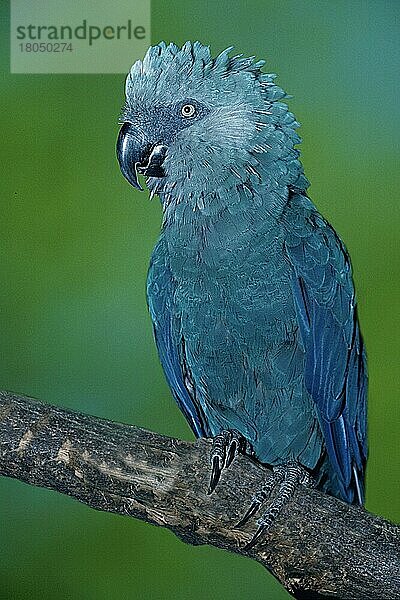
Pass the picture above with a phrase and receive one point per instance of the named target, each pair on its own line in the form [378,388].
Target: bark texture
[318,546]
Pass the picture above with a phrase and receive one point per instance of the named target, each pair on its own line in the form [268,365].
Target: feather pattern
[335,364]
[171,350]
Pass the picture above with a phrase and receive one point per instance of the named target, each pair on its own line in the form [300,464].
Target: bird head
[196,123]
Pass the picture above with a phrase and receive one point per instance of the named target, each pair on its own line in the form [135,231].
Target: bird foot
[226,446]
[287,476]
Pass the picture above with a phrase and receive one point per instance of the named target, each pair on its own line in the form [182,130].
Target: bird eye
[188,110]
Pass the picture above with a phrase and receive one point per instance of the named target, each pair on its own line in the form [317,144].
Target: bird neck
[221,228]
[258,182]
[254,192]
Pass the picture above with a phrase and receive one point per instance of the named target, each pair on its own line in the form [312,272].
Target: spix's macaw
[249,288]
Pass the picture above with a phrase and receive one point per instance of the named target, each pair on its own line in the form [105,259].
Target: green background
[75,245]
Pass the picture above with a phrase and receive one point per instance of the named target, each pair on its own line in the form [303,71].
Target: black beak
[137,155]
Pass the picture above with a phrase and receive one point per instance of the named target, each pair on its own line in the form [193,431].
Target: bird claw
[260,497]
[226,446]
[215,474]
[287,476]
[251,511]
[232,451]
[255,538]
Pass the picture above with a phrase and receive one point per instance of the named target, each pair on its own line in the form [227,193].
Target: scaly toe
[288,475]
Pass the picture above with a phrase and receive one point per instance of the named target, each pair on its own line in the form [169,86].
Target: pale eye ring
[188,110]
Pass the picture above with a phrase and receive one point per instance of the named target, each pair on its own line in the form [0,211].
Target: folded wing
[335,363]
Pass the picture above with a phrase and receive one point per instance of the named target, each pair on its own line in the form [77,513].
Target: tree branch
[318,547]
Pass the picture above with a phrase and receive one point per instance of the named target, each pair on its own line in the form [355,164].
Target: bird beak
[137,155]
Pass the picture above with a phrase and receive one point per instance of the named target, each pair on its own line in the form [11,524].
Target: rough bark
[318,546]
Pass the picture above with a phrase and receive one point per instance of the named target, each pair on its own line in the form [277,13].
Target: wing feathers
[335,364]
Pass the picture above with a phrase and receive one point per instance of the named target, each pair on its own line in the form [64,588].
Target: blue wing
[171,344]
[335,372]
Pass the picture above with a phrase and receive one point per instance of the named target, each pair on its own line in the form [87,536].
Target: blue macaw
[250,289]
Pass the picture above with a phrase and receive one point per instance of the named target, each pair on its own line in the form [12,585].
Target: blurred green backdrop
[75,244]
